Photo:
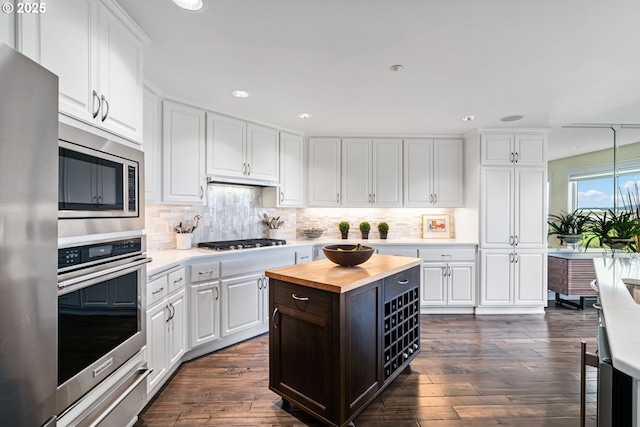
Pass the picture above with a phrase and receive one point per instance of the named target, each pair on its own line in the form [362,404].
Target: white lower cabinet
[513,278]
[448,284]
[448,276]
[166,326]
[205,296]
[242,300]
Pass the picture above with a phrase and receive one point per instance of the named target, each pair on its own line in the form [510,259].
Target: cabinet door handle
[265,282]
[374,197]
[430,198]
[244,169]
[338,197]
[449,268]
[512,157]
[166,320]
[444,271]
[516,239]
[517,157]
[201,192]
[403,282]
[435,198]
[205,272]
[369,199]
[273,317]
[95,109]
[217,292]
[297,298]
[158,291]
[248,169]
[178,280]
[281,196]
[260,283]
[105,113]
[510,258]
[516,257]
[172,310]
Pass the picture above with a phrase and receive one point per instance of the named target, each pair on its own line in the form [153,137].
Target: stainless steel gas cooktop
[229,245]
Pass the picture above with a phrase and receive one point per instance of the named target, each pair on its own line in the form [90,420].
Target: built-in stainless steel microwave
[100,184]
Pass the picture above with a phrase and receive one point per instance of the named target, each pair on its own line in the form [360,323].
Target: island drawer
[302,298]
[204,271]
[401,282]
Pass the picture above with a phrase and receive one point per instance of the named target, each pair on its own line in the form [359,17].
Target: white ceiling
[555,62]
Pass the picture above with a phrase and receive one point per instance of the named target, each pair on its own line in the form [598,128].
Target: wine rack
[401,330]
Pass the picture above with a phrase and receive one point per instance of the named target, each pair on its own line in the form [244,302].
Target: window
[593,188]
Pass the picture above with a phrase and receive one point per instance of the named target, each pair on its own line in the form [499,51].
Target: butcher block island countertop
[328,276]
[338,336]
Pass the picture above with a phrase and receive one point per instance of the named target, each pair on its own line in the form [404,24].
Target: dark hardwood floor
[502,370]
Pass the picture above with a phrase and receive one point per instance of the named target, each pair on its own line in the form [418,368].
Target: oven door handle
[100,275]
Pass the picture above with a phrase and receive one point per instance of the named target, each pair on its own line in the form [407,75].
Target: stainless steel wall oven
[100,184]
[101,318]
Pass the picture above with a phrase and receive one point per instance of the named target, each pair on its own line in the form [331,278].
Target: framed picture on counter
[435,226]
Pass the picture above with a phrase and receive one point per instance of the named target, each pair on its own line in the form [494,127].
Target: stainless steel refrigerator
[28,241]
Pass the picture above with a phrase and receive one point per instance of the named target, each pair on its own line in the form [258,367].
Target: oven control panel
[78,255]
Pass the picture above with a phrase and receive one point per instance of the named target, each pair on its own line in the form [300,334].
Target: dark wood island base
[338,336]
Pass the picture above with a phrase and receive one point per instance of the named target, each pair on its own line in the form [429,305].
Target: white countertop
[589,254]
[621,313]
[166,259]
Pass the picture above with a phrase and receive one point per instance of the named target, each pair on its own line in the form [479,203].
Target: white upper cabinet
[7,29]
[356,172]
[518,149]
[99,63]
[226,146]
[237,149]
[183,142]
[263,154]
[324,172]
[152,145]
[292,177]
[513,208]
[433,172]
[371,172]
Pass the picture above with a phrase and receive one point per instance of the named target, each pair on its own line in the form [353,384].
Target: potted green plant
[344,229]
[569,227]
[383,228]
[365,227]
[614,230]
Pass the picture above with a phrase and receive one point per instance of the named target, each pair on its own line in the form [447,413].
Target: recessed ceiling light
[304,115]
[512,118]
[190,5]
[573,147]
[469,118]
[396,67]
[240,93]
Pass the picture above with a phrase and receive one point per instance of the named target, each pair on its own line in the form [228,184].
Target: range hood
[240,181]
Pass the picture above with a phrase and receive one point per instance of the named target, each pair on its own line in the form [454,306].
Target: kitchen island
[621,310]
[338,336]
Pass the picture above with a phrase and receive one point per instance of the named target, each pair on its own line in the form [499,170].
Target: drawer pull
[205,272]
[158,291]
[178,280]
[297,298]
[273,317]
[403,282]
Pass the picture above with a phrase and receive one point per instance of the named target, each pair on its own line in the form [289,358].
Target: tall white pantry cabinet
[512,206]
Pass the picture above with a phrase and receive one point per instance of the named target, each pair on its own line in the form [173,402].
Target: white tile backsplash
[235,212]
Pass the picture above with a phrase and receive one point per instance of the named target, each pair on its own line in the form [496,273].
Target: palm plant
[616,230]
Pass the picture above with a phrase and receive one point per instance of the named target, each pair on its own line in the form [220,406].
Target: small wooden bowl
[347,257]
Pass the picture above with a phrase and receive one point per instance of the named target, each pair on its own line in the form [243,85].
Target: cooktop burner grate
[230,245]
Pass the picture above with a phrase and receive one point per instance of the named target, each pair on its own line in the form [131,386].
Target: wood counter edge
[311,275]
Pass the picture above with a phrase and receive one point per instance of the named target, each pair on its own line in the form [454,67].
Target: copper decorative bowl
[346,256]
